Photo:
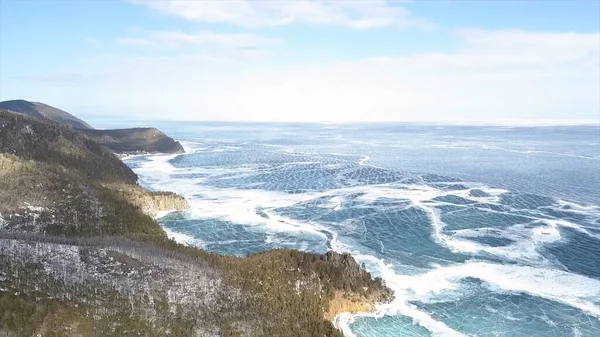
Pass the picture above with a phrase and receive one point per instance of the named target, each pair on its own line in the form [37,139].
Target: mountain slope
[146,140]
[41,110]
[53,143]
[56,181]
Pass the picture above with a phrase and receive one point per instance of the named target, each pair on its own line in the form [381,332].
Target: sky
[306,60]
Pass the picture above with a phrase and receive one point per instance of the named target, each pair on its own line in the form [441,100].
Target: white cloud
[250,13]
[205,45]
[174,38]
[134,41]
[494,75]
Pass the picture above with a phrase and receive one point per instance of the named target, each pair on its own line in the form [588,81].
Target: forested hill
[80,255]
[41,110]
[54,180]
[55,144]
[134,140]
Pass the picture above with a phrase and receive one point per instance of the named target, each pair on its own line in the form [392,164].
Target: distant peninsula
[82,255]
[123,141]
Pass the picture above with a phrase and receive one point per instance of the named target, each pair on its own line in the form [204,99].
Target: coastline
[341,318]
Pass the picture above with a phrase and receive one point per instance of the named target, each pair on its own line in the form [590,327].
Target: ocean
[479,230]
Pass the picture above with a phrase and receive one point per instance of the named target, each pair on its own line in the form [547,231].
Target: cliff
[150,203]
[80,255]
[349,302]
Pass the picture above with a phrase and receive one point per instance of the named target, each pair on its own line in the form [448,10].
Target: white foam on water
[547,320]
[162,214]
[525,247]
[235,205]
[563,223]
[573,207]
[240,206]
[343,321]
[363,160]
[571,289]
[413,193]
[335,203]
[561,154]
[575,290]
[421,196]
[399,306]
[528,239]
[182,238]
[131,156]
[157,163]
[178,237]
[494,194]
[189,147]
[300,163]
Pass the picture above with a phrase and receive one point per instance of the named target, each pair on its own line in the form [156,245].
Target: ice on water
[479,231]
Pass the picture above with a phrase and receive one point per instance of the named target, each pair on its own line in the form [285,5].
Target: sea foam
[537,277]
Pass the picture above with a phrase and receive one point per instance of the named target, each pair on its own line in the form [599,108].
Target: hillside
[135,140]
[54,180]
[41,110]
[55,144]
[80,255]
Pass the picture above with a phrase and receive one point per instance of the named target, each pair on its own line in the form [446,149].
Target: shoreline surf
[240,207]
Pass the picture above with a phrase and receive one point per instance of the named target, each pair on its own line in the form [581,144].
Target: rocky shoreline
[80,254]
[341,302]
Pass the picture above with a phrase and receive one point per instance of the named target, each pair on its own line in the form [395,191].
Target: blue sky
[302,60]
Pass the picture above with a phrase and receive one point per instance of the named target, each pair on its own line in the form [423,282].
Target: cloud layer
[175,38]
[250,13]
[494,75]
[235,71]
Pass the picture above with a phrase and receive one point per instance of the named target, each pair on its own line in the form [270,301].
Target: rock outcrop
[151,203]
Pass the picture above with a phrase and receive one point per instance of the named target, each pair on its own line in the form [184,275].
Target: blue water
[480,231]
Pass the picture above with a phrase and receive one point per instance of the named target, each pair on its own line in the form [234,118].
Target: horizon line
[511,123]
